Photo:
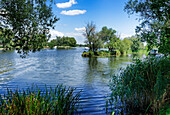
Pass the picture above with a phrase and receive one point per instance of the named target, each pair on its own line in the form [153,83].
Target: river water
[67,67]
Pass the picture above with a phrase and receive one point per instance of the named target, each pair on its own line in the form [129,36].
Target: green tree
[6,36]
[30,22]
[105,34]
[155,25]
[127,43]
[93,40]
[63,41]
[114,43]
[135,45]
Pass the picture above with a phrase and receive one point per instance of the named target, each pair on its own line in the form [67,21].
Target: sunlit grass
[33,101]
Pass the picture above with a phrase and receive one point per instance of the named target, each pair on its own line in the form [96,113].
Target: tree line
[62,41]
[107,38]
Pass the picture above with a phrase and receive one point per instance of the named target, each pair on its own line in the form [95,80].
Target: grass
[113,53]
[143,87]
[58,101]
[100,53]
[64,47]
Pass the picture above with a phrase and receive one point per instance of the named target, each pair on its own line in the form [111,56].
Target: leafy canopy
[29,21]
[155,25]
[93,39]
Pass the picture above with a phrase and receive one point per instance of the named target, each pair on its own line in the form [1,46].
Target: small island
[106,43]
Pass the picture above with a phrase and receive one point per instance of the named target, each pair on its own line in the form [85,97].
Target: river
[67,67]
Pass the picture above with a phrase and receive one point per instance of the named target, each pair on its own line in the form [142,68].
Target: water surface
[67,67]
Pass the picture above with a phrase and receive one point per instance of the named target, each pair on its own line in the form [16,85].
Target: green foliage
[114,43]
[127,44]
[58,101]
[155,24]
[101,53]
[29,21]
[81,45]
[88,54]
[109,37]
[64,47]
[6,36]
[136,44]
[63,41]
[106,34]
[93,41]
[143,87]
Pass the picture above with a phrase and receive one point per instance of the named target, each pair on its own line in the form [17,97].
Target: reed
[58,101]
[143,87]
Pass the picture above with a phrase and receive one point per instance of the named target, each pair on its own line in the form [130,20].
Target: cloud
[74,34]
[73,12]
[55,33]
[78,36]
[122,36]
[66,4]
[80,29]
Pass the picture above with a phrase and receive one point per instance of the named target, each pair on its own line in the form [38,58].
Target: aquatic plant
[58,101]
[143,87]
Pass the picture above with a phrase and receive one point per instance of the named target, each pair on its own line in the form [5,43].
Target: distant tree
[155,25]
[89,34]
[136,44]
[30,22]
[123,47]
[127,43]
[114,43]
[62,41]
[97,42]
[92,38]
[105,34]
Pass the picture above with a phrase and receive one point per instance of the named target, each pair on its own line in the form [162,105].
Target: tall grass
[58,101]
[143,87]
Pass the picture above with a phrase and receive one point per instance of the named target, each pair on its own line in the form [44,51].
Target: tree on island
[155,25]
[30,22]
[92,38]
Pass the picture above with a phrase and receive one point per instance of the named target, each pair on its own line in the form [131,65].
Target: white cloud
[66,4]
[55,33]
[80,29]
[73,12]
[122,36]
[78,36]
[74,34]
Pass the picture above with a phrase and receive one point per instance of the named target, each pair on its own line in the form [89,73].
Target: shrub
[142,87]
[60,101]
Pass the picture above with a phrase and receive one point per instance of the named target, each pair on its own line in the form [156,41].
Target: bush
[142,87]
[60,101]
[64,47]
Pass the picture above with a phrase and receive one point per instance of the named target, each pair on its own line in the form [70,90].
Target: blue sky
[75,14]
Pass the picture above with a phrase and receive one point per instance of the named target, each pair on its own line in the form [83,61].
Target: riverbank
[1,48]
[111,53]
[64,47]
[59,47]
[100,53]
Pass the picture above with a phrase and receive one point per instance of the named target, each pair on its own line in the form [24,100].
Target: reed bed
[33,101]
[143,87]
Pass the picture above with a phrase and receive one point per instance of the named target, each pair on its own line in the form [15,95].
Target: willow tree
[30,22]
[155,25]
[92,38]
